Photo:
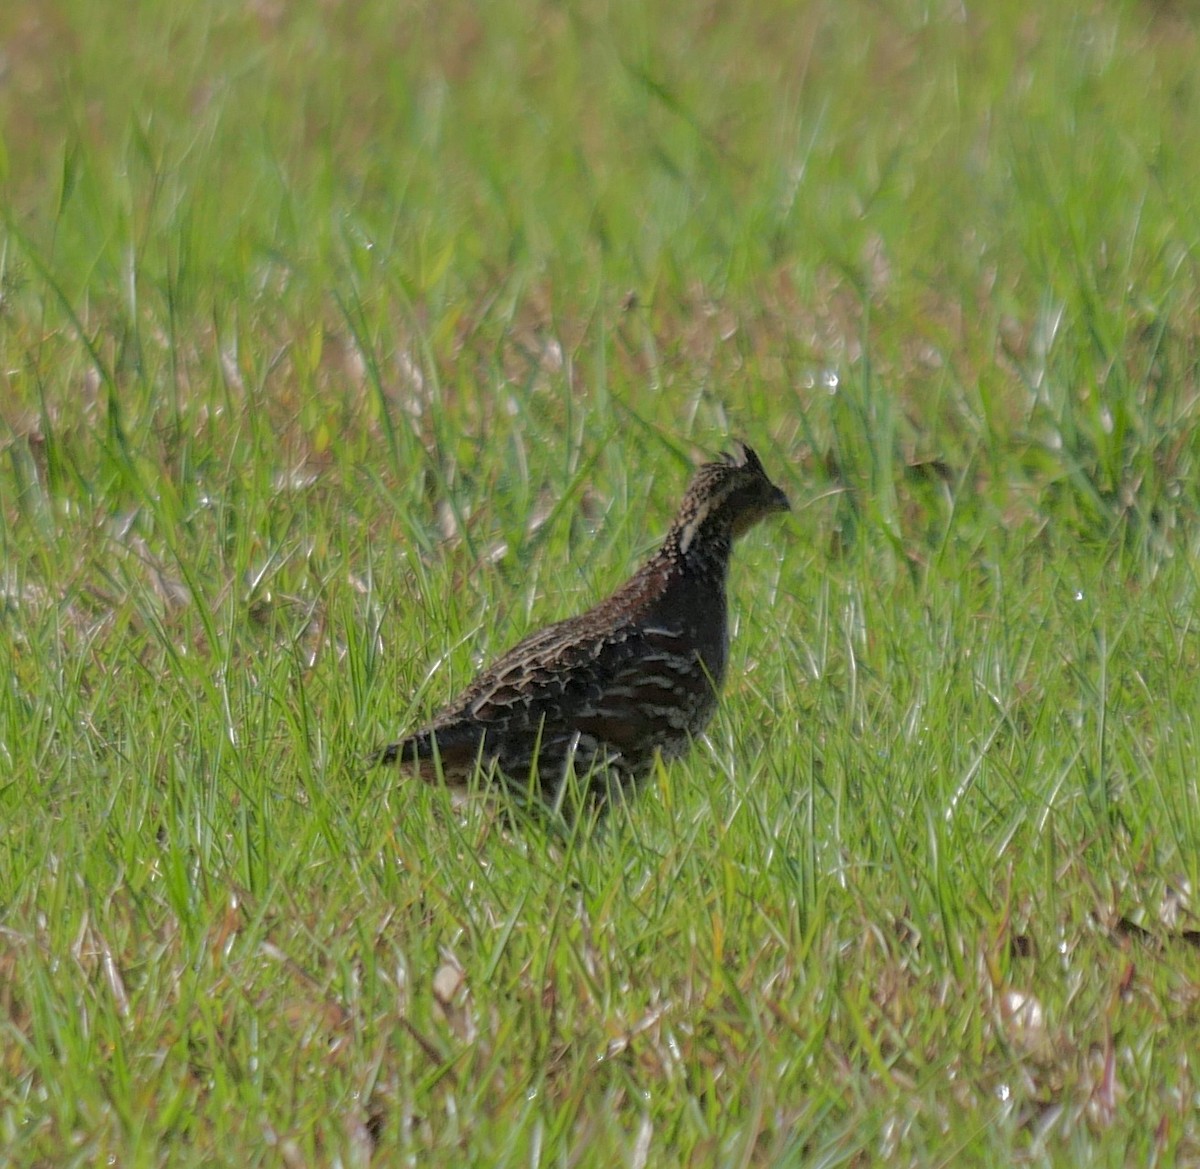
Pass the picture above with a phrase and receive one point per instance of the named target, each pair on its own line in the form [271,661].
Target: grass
[344,344]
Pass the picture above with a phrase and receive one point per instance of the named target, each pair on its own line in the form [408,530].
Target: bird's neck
[692,593]
[698,547]
[687,575]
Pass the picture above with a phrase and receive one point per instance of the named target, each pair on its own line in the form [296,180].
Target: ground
[343,344]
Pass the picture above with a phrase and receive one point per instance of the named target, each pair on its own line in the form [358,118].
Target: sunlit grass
[343,345]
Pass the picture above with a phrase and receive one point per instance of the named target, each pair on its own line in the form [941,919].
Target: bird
[601,695]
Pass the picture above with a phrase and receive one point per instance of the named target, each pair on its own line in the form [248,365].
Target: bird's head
[728,497]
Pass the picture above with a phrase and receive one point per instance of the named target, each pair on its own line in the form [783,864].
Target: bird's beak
[780,502]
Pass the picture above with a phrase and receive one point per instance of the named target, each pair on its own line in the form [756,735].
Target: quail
[600,695]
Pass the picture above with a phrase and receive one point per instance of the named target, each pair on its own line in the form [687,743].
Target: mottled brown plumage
[604,692]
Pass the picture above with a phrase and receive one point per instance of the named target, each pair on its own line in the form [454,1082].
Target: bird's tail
[443,752]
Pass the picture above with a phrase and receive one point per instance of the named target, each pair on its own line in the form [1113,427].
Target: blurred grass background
[343,343]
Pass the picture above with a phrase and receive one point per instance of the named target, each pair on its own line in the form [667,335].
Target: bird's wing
[619,686]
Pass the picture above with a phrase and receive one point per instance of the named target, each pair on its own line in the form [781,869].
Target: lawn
[343,344]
